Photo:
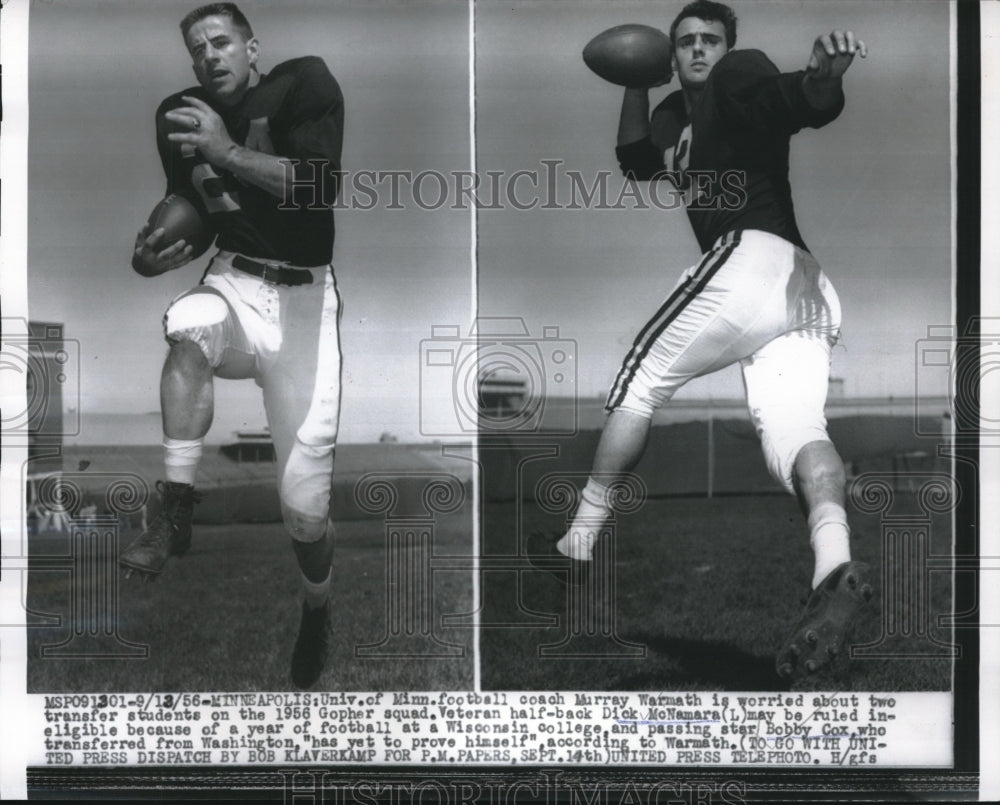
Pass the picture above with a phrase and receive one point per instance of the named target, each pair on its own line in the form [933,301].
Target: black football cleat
[819,636]
[311,646]
[168,535]
[543,555]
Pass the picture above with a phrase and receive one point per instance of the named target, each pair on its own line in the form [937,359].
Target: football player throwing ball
[757,297]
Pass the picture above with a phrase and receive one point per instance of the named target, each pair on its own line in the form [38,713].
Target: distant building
[251,446]
[499,396]
[836,388]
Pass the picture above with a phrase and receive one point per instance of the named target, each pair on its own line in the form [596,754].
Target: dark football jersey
[731,153]
[295,111]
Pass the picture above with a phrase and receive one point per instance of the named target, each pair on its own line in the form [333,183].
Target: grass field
[705,592]
[225,616]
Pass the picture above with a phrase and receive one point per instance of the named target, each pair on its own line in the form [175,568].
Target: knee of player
[783,453]
[790,425]
[818,462]
[188,352]
[303,527]
[643,405]
[305,493]
[197,320]
[195,310]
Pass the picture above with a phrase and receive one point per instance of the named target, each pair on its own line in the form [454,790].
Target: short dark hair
[709,12]
[241,23]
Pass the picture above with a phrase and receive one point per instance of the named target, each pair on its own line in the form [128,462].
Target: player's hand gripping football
[150,260]
[833,53]
[204,129]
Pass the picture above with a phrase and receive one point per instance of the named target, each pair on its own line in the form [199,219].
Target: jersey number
[212,189]
[677,159]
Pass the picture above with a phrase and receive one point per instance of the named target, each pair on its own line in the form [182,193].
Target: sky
[872,192]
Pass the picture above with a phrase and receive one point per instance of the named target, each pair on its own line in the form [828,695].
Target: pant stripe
[675,304]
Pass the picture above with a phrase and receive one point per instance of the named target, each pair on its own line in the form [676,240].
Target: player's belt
[269,272]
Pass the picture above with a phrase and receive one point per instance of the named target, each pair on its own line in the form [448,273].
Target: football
[181,220]
[630,55]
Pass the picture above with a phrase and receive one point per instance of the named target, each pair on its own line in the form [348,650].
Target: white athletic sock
[317,593]
[829,536]
[590,517]
[181,459]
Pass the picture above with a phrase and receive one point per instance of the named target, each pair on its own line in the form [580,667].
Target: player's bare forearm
[633,124]
[270,173]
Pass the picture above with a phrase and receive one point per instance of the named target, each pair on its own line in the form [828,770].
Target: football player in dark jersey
[258,154]
[757,296]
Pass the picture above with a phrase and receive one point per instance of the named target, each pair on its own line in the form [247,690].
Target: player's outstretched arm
[831,55]
[151,261]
